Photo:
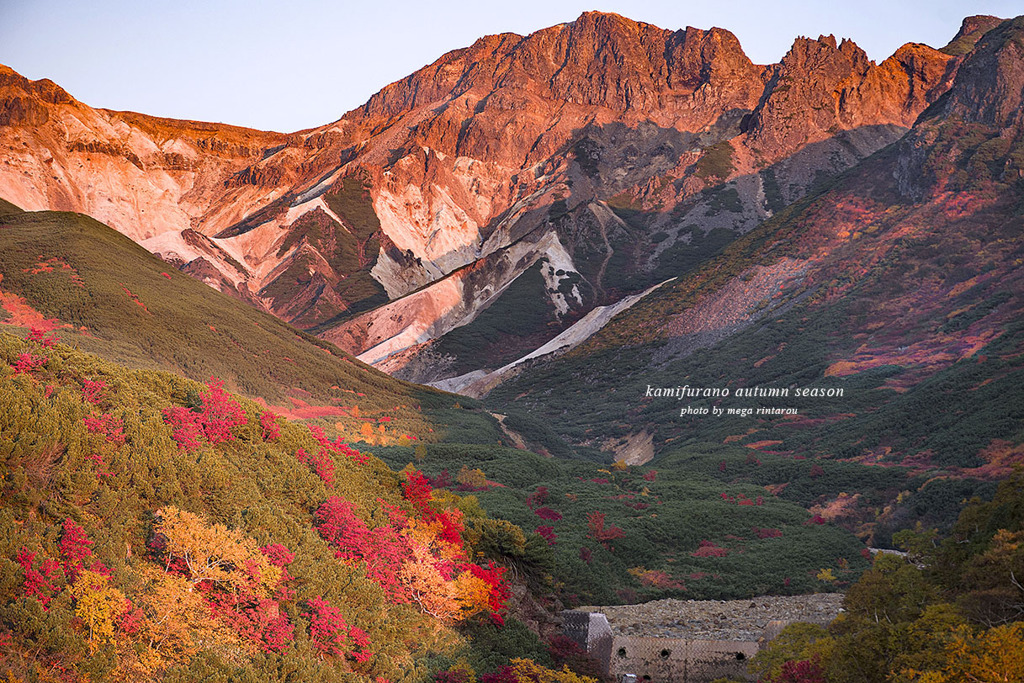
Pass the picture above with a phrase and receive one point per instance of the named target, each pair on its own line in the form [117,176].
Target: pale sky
[291,65]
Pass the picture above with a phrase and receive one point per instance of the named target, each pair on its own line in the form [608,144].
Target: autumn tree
[599,532]
[214,553]
[473,479]
[98,605]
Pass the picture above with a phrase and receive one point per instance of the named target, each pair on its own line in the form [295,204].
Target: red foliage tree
[332,636]
[257,619]
[277,555]
[416,489]
[27,363]
[503,675]
[321,463]
[270,430]
[803,671]
[74,548]
[601,533]
[94,392]
[337,522]
[111,427]
[131,619]
[538,497]
[38,336]
[383,549]
[38,582]
[442,481]
[220,413]
[548,513]
[547,533]
[185,428]
[213,421]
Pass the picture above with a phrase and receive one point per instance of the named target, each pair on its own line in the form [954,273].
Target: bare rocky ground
[720,619]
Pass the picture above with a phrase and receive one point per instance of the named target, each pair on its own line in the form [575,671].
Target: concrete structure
[591,631]
[689,641]
[678,660]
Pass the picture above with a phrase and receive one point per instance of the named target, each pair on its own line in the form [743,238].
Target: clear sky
[291,65]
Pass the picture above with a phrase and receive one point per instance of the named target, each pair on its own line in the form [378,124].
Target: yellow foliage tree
[473,594]
[475,478]
[366,433]
[826,575]
[215,553]
[993,656]
[97,605]
[528,671]
[427,587]
[423,576]
[178,621]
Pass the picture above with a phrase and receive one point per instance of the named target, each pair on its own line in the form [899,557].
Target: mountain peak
[44,88]
[989,84]
[971,31]
[600,59]
[23,101]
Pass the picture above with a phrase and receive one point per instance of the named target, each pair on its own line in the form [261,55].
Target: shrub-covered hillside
[154,528]
[624,534]
[98,290]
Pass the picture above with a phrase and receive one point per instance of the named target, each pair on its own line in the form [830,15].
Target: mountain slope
[143,540]
[899,285]
[97,289]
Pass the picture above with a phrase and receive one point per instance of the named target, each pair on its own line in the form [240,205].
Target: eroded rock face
[974,133]
[821,88]
[990,89]
[636,149]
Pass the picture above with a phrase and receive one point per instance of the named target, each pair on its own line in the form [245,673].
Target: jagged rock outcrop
[990,88]
[985,105]
[820,88]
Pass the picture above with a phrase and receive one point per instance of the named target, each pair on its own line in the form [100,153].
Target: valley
[605,314]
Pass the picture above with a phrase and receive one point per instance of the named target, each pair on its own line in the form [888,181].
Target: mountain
[569,169]
[894,294]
